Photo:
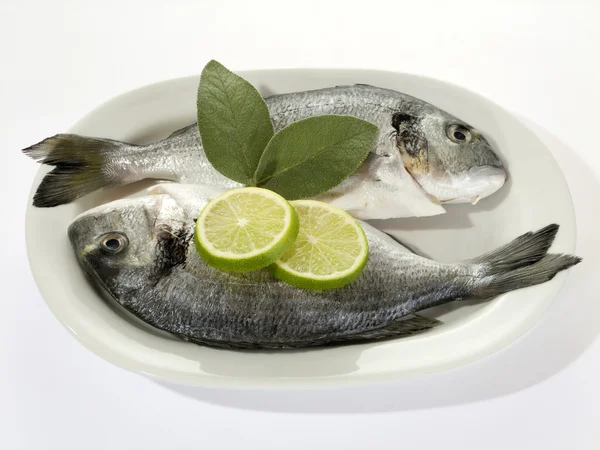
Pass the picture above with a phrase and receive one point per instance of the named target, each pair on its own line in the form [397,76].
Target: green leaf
[313,155]
[234,122]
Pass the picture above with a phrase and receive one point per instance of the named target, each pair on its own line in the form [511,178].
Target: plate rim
[308,382]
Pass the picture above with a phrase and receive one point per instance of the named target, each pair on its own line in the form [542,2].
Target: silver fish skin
[141,251]
[423,156]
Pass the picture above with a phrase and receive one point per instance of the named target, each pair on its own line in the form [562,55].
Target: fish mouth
[83,256]
[83,252]
[468,187]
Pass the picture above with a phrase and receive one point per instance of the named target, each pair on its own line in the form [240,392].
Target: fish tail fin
[540,272]
[80,165]
[521,263]
[522,251]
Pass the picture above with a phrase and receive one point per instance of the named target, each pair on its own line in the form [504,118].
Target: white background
[61,58]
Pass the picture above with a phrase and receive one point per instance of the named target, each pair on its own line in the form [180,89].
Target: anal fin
[406,326]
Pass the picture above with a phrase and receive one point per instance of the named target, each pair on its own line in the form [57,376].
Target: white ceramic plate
[535,196]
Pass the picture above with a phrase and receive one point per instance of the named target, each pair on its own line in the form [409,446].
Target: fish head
[126,243]
[449,159]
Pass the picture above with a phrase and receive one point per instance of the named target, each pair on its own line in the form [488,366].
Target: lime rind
[331,249]
[245,229]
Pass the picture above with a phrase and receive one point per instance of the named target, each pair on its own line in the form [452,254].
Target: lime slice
[330,251]
[245,229]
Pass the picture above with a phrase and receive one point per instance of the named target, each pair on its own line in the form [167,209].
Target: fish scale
[198,303]
[415,165]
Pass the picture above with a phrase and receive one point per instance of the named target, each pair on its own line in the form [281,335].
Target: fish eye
[113,243]
[459,134]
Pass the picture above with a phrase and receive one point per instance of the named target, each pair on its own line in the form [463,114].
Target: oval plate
[535,195]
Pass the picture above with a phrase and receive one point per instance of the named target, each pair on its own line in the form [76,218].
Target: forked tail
[81,165]
[521,263]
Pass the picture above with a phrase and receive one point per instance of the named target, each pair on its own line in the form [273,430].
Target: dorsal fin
[181,131]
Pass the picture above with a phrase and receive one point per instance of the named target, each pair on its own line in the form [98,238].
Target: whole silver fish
[141,251]
[423,156]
